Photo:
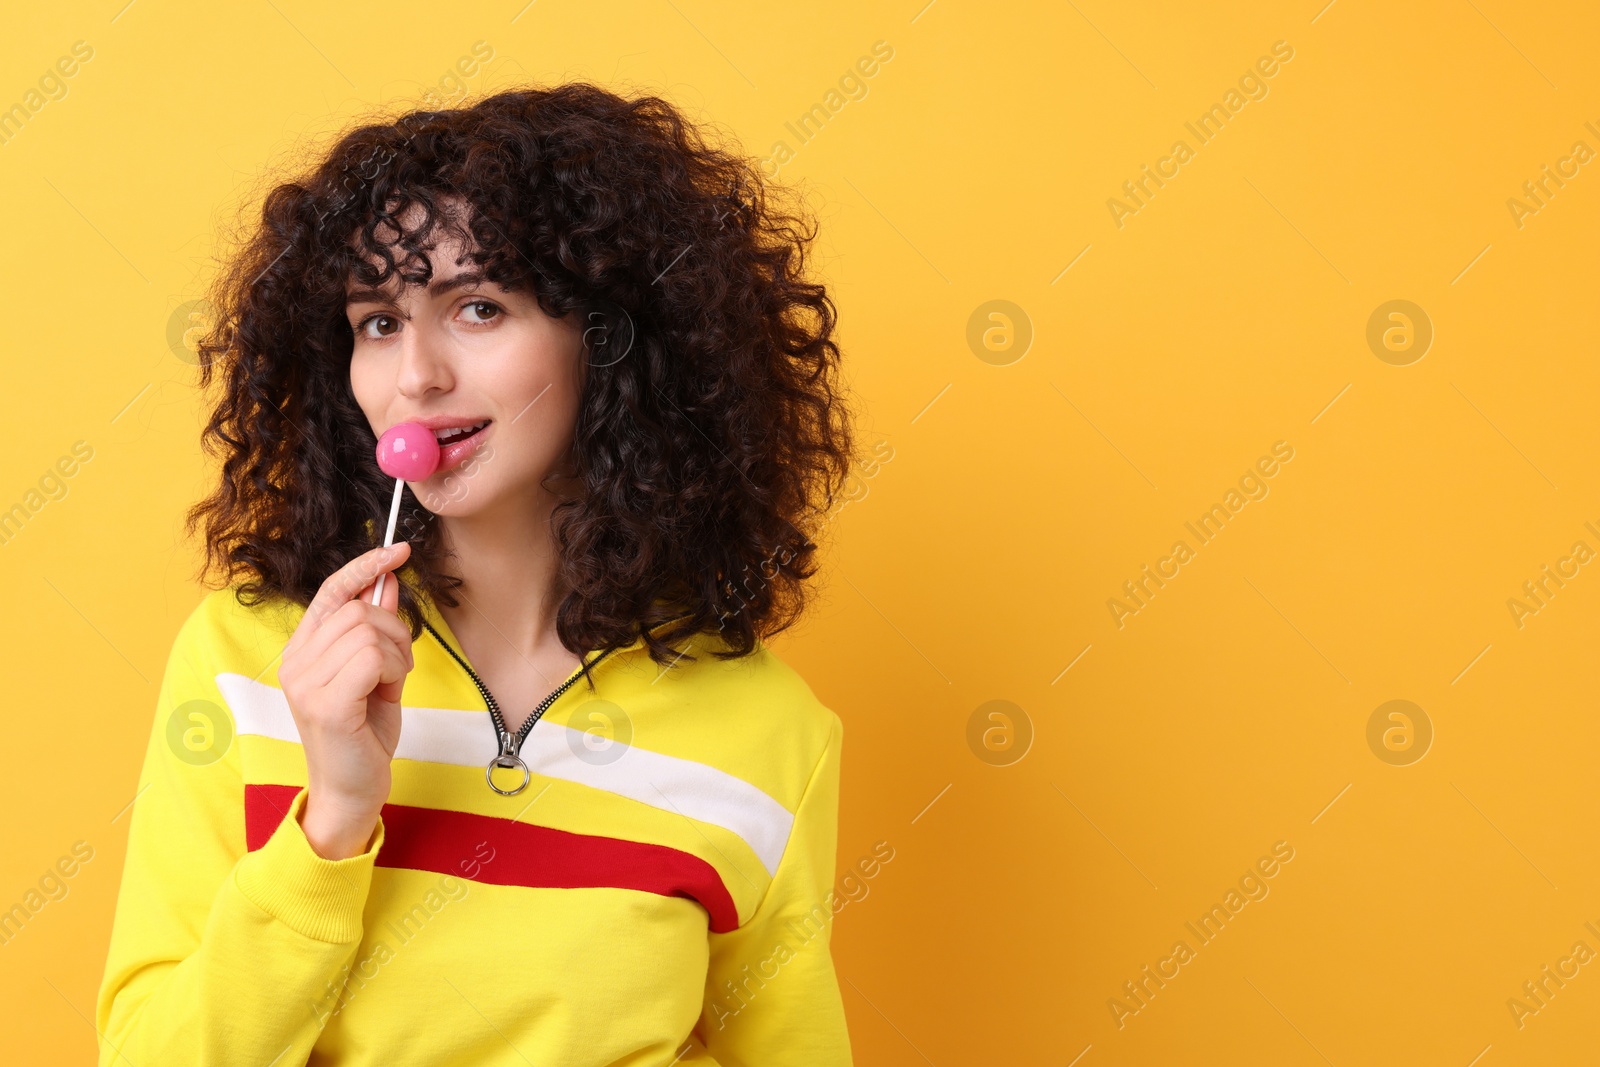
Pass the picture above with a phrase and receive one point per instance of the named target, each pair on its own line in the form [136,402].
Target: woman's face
[463,352]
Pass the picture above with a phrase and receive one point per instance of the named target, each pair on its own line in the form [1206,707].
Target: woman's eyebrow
[437,288]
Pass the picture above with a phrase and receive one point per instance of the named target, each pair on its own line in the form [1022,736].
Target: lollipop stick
[388,538]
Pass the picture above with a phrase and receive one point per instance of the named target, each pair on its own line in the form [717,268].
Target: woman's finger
[347,619]
[345,672]
[390,600]
[344,585]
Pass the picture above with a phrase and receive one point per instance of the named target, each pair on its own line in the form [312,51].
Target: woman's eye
[386,324]
[481,310]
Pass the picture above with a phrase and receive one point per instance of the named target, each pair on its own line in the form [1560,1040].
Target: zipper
[510,754]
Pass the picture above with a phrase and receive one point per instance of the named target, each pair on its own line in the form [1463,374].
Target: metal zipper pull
[507,758]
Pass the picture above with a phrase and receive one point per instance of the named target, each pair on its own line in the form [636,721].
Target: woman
[405,833]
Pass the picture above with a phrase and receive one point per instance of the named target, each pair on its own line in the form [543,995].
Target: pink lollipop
[407,452]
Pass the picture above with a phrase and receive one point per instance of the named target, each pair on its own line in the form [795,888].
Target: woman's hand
[343,671]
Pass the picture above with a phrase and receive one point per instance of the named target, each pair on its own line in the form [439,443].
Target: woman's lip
[454,454]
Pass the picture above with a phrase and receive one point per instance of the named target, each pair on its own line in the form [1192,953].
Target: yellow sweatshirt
[662,899]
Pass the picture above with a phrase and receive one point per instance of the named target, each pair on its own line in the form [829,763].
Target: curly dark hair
[708,454]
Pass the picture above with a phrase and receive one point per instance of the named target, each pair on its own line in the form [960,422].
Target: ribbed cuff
[318,897]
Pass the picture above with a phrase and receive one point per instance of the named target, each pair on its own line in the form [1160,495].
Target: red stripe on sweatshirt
[432,839]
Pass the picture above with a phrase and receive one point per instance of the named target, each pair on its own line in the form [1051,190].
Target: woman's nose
[424,364]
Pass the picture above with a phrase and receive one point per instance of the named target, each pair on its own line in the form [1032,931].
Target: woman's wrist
[334,833]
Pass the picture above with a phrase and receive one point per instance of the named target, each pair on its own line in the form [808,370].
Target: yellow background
[1228,314]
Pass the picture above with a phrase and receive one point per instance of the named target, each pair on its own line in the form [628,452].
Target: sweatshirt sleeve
[219,955]
[772,997]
